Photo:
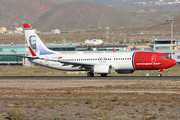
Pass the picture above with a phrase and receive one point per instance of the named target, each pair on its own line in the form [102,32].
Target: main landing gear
[103,75]
[90,74]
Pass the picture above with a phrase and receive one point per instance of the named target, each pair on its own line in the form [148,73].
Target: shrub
[161,108]
[126,103]
[120,119]
[89,101]
[77,114]
[106,118]
[68,91]
[16,114]
[155,115]
[116,98]
[123,118]
[56,118]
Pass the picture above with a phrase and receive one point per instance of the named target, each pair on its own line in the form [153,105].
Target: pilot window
[163,57]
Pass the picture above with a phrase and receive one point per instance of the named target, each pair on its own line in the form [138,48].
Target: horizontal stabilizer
[24,56]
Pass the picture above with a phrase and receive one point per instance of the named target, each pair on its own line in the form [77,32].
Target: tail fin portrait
[36,46]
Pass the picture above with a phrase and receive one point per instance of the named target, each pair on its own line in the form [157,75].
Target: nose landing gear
[160,70]
[159,74]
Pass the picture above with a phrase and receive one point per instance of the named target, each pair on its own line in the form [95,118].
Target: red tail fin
[26,26]
[114,50]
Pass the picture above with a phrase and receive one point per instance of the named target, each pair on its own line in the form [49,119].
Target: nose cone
[172,62]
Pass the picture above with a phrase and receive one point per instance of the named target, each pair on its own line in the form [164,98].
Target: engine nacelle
[124,71]
[103,69]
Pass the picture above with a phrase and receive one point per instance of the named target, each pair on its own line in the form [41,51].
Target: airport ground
[138,99]
[67,99]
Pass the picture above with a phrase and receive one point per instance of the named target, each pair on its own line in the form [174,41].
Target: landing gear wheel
[90,74]
[103,75]
[160,75]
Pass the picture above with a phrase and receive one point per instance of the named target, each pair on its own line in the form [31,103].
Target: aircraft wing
[71,63]
[77,63]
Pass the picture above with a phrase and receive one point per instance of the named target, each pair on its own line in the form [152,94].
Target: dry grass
[111,109]
[101,89]
[91,111]
[43,71]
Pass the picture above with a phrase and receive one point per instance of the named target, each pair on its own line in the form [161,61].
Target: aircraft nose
[173,62]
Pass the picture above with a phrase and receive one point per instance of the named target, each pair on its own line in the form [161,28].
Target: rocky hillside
[84,15]
[22,10]
[48,14]
[161,26]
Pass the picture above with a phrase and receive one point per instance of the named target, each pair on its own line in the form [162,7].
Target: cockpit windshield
[163,57]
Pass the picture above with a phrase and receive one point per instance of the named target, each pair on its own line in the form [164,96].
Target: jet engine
[103,69]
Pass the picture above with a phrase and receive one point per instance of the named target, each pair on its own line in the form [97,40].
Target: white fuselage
[119,60]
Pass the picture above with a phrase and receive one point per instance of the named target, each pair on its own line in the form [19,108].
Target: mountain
[48,14]
[172,8]
[166,25]
[80,14]
[161,26]
[129,4]
[12,11]
[108,2]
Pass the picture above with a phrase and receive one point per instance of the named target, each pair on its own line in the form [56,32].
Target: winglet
[114,50]
[32,52]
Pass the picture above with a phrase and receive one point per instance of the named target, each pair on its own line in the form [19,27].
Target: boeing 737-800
[98,63]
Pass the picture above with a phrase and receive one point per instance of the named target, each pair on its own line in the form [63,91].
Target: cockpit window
[164,57]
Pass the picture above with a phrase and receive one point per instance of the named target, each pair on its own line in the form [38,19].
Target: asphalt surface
[93,78]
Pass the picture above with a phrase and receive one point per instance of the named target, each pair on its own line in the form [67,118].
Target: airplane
[94,42]
[94,63]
